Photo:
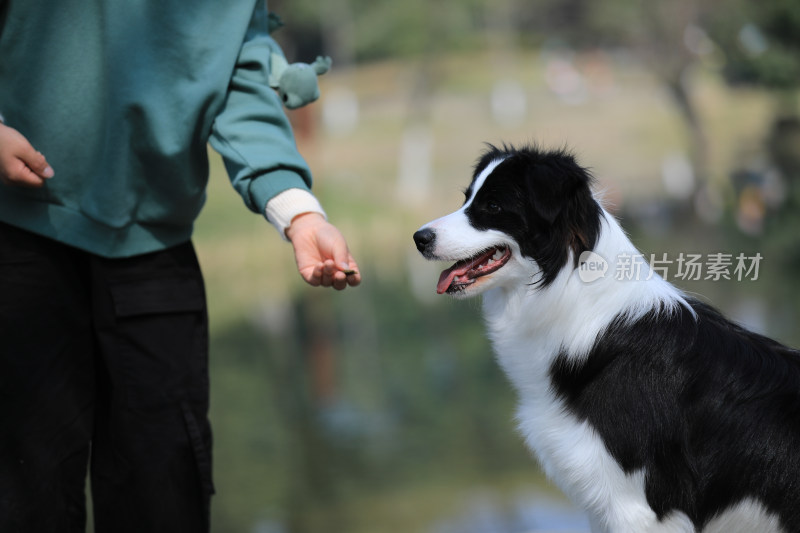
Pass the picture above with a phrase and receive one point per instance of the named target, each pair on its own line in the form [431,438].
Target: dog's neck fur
[568,315]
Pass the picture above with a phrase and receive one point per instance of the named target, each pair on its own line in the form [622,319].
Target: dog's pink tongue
[447,276]
[459,269]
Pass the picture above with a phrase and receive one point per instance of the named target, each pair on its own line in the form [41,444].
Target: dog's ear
[545,191]
[551,183]
[558,184]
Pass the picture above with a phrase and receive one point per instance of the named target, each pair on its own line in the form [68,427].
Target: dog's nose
[424,239]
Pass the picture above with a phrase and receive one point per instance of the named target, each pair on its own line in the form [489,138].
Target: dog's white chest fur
[569,450]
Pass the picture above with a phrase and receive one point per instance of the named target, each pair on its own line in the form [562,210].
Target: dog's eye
[494,208]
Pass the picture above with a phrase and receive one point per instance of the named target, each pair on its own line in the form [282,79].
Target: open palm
[321,252]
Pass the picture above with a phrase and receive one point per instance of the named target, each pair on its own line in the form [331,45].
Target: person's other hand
[20,164]
[321,253]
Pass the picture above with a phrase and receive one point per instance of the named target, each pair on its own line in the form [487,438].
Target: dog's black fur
[710,410]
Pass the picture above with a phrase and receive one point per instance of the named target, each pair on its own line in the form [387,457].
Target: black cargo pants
[103,364]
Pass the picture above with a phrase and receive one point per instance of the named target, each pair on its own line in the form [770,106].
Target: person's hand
[20,164]
[321,253]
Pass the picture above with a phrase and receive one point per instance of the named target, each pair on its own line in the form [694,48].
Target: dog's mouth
[467,271]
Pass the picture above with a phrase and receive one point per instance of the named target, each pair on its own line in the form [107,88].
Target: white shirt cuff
[284,207]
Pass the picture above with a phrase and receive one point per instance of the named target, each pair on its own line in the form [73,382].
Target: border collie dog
[649,409]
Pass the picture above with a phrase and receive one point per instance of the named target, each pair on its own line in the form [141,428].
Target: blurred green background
[381,409]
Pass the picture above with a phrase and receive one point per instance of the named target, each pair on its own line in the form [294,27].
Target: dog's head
[527,215]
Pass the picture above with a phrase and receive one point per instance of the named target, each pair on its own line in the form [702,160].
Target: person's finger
[34,160]
[315,279]
[350,269]
[339,280]
[20,175]
[20,164]
[341,256]
[37,163]
[328,271]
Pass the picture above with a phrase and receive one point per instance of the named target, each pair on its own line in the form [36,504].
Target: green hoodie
[122,97]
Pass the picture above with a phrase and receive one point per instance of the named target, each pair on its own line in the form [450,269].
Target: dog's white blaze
[455,238]
[478,183]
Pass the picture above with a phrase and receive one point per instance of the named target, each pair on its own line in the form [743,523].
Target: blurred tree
[668,49]
[762,43]
[377,30]
[667,37]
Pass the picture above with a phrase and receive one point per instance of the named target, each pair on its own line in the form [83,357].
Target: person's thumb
[340,252]
[35,161]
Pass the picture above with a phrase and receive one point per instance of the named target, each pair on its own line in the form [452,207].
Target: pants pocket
[159,341]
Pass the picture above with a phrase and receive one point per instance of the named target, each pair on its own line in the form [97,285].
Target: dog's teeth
[497,255]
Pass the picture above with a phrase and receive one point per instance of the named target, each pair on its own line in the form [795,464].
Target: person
[103,361]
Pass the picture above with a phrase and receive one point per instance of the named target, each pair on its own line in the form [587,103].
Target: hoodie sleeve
[252,132]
